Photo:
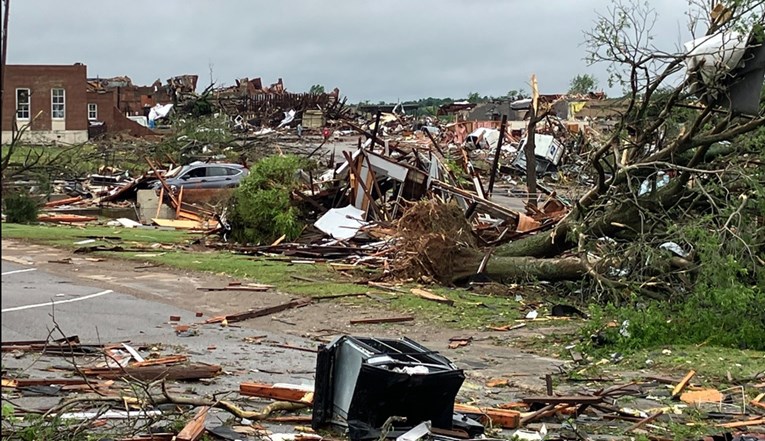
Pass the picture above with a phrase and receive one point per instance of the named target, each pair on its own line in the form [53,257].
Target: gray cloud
[376,50]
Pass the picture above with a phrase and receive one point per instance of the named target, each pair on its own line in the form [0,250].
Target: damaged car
[204,176]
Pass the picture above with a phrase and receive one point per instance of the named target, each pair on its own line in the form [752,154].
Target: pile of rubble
[367,388]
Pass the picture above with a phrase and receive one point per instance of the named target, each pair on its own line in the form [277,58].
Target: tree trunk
[522,269]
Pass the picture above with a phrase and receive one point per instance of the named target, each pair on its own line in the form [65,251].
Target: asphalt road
[32,299]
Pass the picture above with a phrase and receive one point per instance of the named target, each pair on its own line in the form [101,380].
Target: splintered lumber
[757,401]
[736,424]
[679,387]
[170,359]
[644,421]
[193,371]
[60,202]
[32,345]
[276,392]
[26,382]
[72,218]
[253,313]
[702,396]
[427,295]
[373,321]
[574,399]
[194,428]
[505,418]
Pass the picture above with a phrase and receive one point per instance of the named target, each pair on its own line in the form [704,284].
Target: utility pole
[7,5]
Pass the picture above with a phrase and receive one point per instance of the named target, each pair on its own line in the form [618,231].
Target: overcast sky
[372,50]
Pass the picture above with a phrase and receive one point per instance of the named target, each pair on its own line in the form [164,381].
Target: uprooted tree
[677,199]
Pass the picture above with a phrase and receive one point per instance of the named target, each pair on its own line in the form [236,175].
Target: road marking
[90,296]
[8,273]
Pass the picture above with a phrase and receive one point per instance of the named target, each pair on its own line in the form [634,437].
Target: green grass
[65,236]
[711,363]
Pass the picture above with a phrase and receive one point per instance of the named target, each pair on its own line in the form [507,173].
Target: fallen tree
[678,181]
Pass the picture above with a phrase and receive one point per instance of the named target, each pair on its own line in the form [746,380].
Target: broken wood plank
[170,359]
[337,296]
[573,399]
[507,327]
[193,371]
[254,313]
[644,421]
[736,424]
[702,396]
[60,202]
[679,387]
[505,418]
[427,295]
[194,428]
[374,321]
[385,286]
[276,392]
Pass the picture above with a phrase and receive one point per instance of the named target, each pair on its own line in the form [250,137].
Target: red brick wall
[40,79]
[105,101]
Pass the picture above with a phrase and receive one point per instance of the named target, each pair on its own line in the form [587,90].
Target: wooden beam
[372,321]
[505,418]
[194,428]
[253,313]
[679,387]
[279,393]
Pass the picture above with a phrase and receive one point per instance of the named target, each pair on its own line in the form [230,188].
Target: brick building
[51,100]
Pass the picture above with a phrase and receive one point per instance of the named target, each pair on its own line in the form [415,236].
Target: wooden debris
[679,387]
[644,421]
[61,218]
[702,396]
[507,327]
[373,321]
[253,313]
[170,359]
[505,418]
[497,382]
[60,202]
[427,295]
[456,342]
[194,428]
[736,424]
[757,401]
[573,399]
[194,371]
[276,392]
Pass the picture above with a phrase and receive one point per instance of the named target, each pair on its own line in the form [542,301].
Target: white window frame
[92,111]
[53,103]
[28,104]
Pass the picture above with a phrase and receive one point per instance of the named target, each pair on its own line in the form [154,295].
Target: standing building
[51,101]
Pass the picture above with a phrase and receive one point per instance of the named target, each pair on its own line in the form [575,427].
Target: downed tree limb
[192,371]
[520,268]
[167,398]
[253,313]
